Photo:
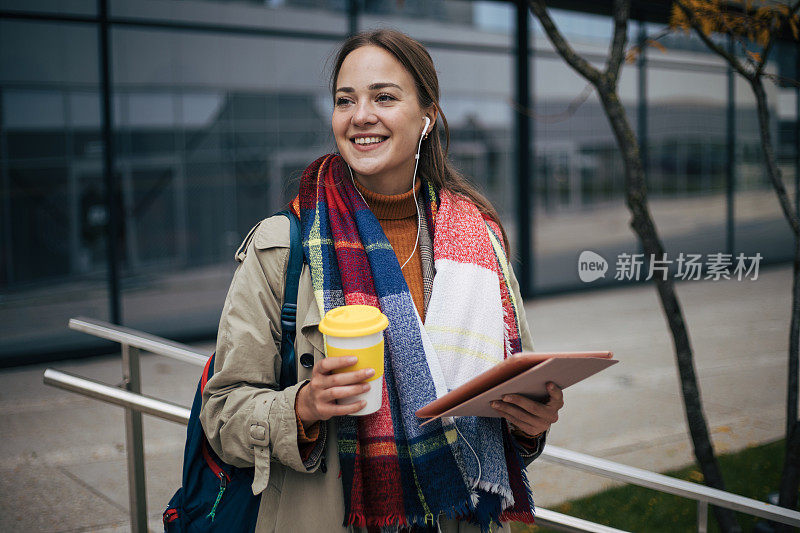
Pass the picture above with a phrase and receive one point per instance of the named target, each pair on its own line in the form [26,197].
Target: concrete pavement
[633,413]
[62,461]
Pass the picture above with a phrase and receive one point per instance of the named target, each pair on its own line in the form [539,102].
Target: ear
[431,114]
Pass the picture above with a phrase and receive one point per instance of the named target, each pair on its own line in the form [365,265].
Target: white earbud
[427,123]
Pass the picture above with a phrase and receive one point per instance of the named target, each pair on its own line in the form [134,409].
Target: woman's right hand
[317,399]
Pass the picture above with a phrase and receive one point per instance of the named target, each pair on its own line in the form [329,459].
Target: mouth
[368,142]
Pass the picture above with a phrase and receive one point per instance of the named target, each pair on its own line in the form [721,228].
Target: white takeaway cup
[357,330]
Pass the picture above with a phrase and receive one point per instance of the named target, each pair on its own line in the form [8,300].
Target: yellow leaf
[657,45]
[694,475]
[678,19]
[763,37]
[706,26]
[793,25]
[763,12]
[754,56]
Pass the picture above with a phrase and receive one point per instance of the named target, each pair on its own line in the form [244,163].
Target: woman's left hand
[529,416]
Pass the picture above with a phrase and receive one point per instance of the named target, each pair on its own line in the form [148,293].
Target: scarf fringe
[495,488]
[360,520]
[474,497]
[466,507]
[527,484]
[507,331]
[525,518]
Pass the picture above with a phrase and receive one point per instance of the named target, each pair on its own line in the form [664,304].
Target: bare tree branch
[615,54]
[555,118]
[770,162]
[762,62]
[774,78]
[606,84]
[570,56]
[730,58]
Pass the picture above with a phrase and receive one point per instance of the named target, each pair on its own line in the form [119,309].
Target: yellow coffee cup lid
[353,321]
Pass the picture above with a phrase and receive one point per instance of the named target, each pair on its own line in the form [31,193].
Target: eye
[342,101]
[385,97]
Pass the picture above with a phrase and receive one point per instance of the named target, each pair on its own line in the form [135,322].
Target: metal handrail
[565,522]
[138,339]
[132,340]
[670,485]
[176,413]
[115,395]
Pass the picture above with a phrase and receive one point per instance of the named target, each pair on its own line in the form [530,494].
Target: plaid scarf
[395,472]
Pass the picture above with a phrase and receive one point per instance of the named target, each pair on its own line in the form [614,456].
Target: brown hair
[433,161]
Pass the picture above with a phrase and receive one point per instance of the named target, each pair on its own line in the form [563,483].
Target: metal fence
[136,404]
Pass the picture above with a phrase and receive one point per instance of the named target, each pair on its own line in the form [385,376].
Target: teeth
[368,140]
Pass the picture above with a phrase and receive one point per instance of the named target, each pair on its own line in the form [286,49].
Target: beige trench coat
[249,422]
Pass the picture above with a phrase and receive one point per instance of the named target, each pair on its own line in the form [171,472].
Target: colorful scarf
[395,472]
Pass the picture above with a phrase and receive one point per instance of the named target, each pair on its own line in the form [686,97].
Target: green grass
[753,472]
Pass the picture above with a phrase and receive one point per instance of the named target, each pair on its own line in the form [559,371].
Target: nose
[363,114]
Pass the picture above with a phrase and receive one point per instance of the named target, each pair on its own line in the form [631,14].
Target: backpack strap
[289,309]
[208,371]
[288,375]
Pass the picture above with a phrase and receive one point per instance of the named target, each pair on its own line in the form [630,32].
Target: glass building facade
[218,106]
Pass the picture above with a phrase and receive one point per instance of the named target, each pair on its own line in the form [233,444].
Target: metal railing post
[702,517]
[129,397]
[134,442]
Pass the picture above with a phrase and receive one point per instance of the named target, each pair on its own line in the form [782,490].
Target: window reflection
[212,130]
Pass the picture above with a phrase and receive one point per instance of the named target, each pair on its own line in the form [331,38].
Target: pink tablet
[524,373]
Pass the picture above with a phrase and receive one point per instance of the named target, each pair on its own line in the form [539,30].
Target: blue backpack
[216,496]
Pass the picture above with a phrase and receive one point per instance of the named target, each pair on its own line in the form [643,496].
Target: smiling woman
[377,119]
[386,222]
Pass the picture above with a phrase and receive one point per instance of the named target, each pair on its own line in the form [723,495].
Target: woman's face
[377,120]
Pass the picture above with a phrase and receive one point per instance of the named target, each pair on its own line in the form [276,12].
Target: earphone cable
[473,453]
[416,203]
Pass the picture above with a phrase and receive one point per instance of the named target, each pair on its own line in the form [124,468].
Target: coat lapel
[309,323]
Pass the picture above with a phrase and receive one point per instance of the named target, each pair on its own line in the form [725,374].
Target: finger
[525,403]
[556,395]
[328,364]
[346,378]
[530,428]
[335,409]
[337,393]
[531,407]
[539,411]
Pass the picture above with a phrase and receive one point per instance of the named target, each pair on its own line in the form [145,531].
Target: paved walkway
[62,461]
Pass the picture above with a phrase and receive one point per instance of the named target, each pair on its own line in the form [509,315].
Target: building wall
[218,106]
